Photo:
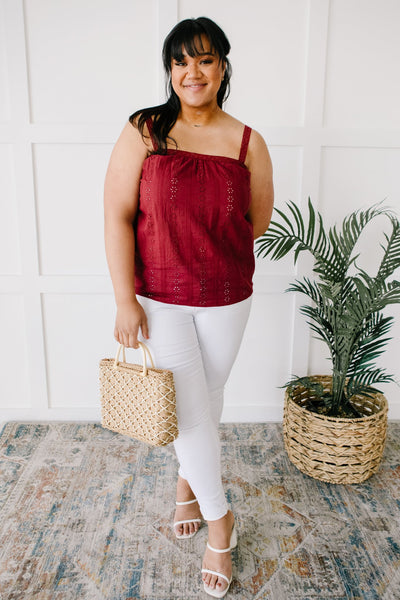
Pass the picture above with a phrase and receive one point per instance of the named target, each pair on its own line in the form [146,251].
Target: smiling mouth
[195,86]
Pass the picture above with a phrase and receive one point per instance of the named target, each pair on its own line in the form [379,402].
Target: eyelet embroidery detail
[152,237]
[175,241]
[202,250]
[229,203]
[227,292]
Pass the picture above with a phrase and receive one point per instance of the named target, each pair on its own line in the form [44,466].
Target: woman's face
[196,80]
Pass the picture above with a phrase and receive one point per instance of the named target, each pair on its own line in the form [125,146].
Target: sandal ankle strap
[217,549]
[233,543]
[185,503]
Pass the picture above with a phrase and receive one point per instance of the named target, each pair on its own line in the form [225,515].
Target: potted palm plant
[335,425]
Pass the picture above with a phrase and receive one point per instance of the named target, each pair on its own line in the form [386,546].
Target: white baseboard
[252,414]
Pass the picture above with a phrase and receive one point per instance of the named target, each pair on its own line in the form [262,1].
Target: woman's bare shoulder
[231,123]
[129,151]
[258,153]
[236,127]
[132,127]
[232,132]
[257,141]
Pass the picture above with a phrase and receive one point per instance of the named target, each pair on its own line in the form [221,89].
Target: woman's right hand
[130,317]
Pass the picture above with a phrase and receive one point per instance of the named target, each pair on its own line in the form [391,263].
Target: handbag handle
[145,353]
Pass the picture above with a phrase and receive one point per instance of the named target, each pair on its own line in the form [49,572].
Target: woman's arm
[262,188]
[121,194]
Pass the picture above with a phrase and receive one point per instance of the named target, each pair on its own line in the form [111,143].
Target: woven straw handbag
[137,400]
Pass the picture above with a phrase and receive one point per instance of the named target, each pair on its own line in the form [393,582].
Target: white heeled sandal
[212,591]
[189,535]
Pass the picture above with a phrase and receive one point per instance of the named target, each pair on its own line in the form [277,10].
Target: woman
[187,190]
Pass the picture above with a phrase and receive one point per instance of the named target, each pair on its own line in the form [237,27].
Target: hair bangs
[193,45]
[188,35]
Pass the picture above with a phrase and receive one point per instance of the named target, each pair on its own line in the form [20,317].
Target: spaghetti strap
[149,123]
[245,143]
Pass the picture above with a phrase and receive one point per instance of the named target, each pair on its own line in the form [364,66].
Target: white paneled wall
[10,259]
[68,185]
[4,91]
[76,326]
[86,58]
[318,78]
[362,74]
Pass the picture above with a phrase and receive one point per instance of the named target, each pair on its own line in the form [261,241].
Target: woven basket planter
[336,450]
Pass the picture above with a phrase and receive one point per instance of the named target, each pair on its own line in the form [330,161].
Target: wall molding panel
[68,84]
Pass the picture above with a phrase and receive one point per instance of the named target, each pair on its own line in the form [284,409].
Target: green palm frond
[307,383]
[373,294]
[370,343]
[391,257]
[309,288]
[281,238]
[321,322]
[342,243]
[365,382]
[320,314]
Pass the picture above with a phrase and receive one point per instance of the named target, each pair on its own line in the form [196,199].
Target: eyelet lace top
[194,244]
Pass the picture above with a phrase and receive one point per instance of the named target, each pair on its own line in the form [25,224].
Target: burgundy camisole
[194,244]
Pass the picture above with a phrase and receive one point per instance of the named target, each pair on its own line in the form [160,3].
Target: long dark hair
[186,34]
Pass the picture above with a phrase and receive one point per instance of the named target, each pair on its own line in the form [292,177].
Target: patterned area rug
[86,514]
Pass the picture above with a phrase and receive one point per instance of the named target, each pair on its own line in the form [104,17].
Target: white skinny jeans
[199,345]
